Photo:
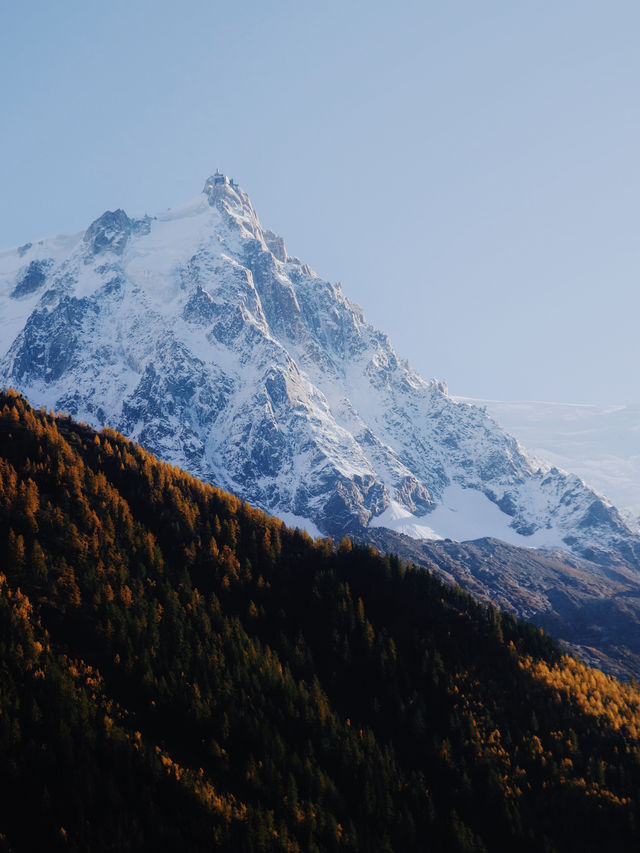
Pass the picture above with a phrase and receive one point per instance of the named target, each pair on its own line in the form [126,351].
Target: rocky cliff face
[196,334]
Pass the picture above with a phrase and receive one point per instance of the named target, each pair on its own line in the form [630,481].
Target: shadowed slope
[177,665]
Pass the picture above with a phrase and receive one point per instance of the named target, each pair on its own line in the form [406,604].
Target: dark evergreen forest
[179,671]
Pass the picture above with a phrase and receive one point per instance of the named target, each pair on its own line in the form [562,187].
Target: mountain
[182,672]
[194,333]
[598,443]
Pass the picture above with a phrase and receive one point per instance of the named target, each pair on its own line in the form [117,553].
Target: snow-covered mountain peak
[224,193]
[235,206]
[196,334]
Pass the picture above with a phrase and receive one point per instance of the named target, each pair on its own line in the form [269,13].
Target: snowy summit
[196,334]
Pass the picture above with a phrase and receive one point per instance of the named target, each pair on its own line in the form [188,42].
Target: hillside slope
[180,671]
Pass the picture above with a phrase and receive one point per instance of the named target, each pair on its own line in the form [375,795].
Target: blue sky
[468,171]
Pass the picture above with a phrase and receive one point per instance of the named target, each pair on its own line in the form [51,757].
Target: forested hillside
[179,671]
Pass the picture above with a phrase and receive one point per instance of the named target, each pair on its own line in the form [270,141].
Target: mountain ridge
[597,442]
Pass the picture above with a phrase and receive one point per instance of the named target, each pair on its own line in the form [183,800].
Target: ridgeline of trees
[178,671]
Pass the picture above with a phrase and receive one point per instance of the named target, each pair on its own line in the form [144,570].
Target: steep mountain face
[195,334]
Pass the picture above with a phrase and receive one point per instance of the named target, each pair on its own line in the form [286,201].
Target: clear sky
[468,171]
